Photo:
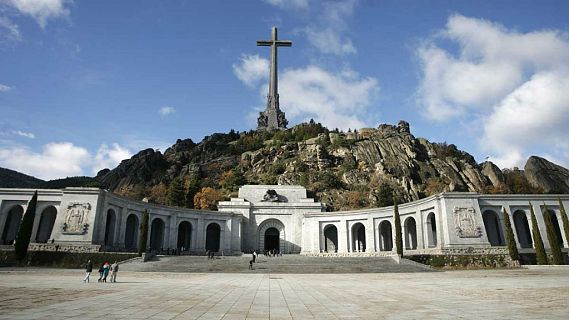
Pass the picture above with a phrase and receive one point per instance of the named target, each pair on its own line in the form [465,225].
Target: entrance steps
[288,263]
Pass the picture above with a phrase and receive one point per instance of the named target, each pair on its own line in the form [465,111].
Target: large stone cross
[273,117]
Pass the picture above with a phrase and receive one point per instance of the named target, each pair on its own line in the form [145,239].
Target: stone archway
[110,227]
[410,234]
[272,226]
[556,228]
[157,234]
[358,237]
[523,231]
[45,228]
[331,239]
[213,237]
[131,232]
[12,224]
[385,236]
[184,236]
[493,228]
[431,230]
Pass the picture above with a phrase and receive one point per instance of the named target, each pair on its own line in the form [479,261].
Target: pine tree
[25,230]
[512,247]
[540,254]
[398,237]
[552,237]
[193,187]
[564,219]
[143,233]
[176,193]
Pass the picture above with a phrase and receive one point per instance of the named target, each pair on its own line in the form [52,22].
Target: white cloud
[109,157]
[251,69]
[295,4]
[338,100]
[61,159]
[9,32]
[24,134]
[56,160]
[5,88]
[515,86]
[328,33]
[165,111]
[41,10]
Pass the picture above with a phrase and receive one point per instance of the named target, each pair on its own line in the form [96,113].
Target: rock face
[547,175]
[346,170]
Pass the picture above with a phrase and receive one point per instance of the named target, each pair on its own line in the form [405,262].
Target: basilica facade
[280,218]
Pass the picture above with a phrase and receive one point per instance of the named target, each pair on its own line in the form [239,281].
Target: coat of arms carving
[465,223]
[76,217]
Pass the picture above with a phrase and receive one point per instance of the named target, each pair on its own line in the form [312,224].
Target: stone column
[122,228]
[200,235]
[37,219]
[118,225]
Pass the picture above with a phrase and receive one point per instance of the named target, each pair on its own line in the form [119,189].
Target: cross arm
[284,43]
[264,43]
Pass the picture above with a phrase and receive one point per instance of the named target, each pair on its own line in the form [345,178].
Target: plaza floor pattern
[485,294]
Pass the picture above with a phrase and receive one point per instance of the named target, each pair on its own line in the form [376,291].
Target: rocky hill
[346,170]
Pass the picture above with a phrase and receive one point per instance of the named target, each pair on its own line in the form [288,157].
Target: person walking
[250,264]
[101,272]
[88,270]
[105,271]
[254,256]
[114,271]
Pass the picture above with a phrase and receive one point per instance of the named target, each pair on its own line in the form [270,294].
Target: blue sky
[84,84]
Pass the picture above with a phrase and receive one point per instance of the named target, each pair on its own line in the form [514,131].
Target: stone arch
[184,235]
[410,226]
[358,237]
[556,227]
[274,224]
[12,224]
[213,237]
[493,228]
[110,227]
[431,230]
[47,221]
[331,238]
[131,231]
[157,234]
[523,231]
[385,236]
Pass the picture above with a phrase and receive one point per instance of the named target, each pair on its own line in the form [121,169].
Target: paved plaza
[483,294]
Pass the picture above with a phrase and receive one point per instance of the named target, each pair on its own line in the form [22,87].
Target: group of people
[273,253]
[104,271]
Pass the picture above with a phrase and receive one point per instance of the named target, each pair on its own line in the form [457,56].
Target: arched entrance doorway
[184,236]
[358,238]
[273,231]
[47,220]
[331,239]
[410,234]
[272,239]
[157,234]
[493,228]
[131,232]
[522,229]
[12,224]
[110,227]
[385,236]
[212,239]
[431,230]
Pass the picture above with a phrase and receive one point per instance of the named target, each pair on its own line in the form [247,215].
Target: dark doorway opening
[213,234]
[272,239]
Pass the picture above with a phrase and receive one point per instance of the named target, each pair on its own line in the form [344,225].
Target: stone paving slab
[490,294]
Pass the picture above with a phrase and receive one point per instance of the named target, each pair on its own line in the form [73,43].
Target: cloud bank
[61,159]
[338,100]
[514,86]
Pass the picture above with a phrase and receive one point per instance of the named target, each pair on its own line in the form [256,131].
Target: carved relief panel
[76,217]
[465,223]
